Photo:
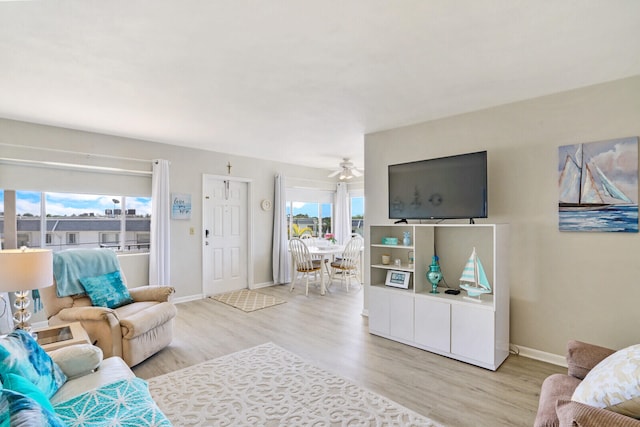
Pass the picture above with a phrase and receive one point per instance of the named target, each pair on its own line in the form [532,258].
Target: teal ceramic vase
[434,275]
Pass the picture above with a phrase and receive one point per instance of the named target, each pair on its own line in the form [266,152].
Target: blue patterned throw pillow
[20,354]
[107,290]
[25,387]
[18,410]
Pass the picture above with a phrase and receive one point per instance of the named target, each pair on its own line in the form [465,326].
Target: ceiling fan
[347,170]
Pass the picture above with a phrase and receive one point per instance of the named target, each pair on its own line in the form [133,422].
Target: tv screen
[443,188]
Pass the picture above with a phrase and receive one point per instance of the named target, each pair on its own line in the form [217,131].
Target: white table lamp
[21,271]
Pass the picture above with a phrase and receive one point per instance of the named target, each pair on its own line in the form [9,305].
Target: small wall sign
[180,206]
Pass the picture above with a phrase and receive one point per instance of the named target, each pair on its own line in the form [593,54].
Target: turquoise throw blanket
[74,264]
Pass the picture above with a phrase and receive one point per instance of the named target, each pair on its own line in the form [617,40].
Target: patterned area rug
[269,386]
[247,300]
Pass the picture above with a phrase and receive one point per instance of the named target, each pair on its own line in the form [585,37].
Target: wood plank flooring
[330,332]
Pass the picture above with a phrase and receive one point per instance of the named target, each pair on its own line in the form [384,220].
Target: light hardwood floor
[331,332]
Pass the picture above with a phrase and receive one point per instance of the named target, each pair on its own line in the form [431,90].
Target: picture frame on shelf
[398,279]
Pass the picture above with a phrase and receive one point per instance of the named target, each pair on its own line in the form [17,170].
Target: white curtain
[159,259]
[342,227]
[281,257]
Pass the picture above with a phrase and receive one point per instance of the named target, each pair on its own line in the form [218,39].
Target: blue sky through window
[69,204]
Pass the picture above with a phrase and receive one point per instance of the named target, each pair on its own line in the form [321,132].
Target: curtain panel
[159,256]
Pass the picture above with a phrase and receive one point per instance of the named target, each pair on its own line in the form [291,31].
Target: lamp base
[22,315]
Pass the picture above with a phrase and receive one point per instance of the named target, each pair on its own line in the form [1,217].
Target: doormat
[247,300]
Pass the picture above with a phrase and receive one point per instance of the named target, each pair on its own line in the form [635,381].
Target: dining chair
[349,263]
[303,262]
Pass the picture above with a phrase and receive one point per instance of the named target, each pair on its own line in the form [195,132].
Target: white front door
[225,235]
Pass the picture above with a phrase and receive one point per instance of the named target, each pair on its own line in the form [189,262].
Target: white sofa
[110,370]
[72,385]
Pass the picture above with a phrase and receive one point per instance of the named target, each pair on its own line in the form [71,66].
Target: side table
[58,336]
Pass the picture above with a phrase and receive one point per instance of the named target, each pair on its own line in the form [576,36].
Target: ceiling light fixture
[347,171]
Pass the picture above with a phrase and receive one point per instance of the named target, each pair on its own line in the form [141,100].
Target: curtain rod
[57,150]
[68,166]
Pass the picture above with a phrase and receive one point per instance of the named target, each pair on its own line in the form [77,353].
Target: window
[310,211]
[110,240]
[72,238]
[71,219]
[24,239]
[309,218]
[357,215]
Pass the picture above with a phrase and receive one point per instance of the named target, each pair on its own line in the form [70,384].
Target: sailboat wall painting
[598,186]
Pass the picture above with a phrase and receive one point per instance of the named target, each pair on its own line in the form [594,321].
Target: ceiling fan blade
[356,172]
[331,175]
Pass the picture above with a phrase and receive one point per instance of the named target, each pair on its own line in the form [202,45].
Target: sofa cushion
[77,360]
[107,290]
[19,410]
[21,355]
[111,369]
[614,383]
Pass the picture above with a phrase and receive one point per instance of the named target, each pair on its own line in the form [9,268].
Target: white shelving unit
[475,332]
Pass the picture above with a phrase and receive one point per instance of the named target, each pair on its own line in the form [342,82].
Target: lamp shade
[25,269]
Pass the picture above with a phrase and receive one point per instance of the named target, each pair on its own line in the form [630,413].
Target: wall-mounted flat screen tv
[451,187]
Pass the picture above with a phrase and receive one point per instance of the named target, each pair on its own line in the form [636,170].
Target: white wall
[563,285]
[187,168]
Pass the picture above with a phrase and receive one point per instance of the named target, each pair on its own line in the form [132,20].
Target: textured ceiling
[297,80]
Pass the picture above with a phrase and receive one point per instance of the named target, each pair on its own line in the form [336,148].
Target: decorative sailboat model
[474,279]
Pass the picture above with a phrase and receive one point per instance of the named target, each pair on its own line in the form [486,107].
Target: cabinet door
[378,311]
[401,315]
[472,332]
[433,324]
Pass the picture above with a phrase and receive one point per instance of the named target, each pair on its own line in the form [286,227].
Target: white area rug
[269,386]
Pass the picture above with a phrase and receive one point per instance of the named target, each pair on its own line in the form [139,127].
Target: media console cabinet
[476,332]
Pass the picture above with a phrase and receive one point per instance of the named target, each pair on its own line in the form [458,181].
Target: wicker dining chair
[305,265]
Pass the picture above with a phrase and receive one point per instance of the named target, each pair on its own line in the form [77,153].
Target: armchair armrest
[151,293]
[582,357]
[145,320]
[101,323]
[77,314]
[578,414]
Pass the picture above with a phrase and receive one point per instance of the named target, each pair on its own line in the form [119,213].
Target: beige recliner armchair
[134,331]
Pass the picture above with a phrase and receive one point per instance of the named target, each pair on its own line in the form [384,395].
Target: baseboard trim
[542,356]
[261,285]
[180,300]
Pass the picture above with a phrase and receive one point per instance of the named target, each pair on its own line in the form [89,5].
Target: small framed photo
[398,279]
